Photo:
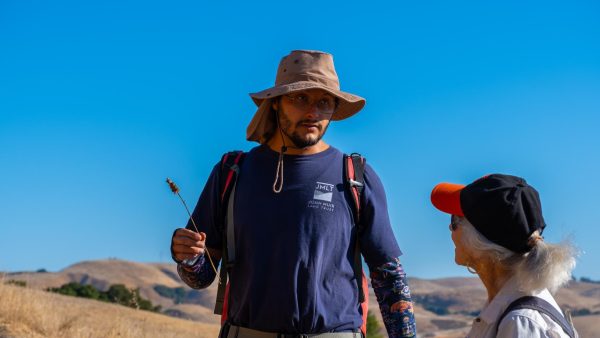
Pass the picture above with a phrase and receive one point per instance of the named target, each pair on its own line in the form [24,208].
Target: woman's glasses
[454,220]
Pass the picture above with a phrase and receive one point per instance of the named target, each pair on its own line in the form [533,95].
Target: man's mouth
[311,126]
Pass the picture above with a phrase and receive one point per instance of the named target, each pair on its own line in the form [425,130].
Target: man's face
[304,116]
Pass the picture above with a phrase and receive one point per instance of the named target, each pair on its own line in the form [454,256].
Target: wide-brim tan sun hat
[301,70]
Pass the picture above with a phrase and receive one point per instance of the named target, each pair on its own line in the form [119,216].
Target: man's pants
[232,331]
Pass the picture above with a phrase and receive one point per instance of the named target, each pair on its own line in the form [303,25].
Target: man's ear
[275,105]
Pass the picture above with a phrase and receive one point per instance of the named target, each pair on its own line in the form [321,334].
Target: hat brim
[446,198]
[348,104]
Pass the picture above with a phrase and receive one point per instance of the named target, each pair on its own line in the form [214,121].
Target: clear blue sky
[100,101]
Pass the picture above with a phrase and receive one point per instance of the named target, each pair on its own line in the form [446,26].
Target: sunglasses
[324,105]
[454,220]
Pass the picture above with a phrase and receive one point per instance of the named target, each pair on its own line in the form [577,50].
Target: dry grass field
[444,307]
[26,313]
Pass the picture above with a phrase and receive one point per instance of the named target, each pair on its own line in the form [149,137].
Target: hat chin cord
[278,183]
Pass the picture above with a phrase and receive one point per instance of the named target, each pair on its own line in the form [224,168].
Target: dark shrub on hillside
[178,295]
[117,293]
[17,282]
[373,327]
[581,312]
[177,314]
[120,294]
[588,280]
[77,290]
[434,303]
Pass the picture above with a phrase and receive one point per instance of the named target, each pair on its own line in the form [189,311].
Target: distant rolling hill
[444,307]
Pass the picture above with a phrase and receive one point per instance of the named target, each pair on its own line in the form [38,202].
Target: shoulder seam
[515,314]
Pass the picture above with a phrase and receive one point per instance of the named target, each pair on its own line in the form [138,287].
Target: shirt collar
[508,293]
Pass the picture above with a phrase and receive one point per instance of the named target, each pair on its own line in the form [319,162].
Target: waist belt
[232,331]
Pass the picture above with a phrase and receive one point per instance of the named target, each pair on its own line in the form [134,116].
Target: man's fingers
[183,249]
[185,236]
[189,233]
[180,240]
[188,244]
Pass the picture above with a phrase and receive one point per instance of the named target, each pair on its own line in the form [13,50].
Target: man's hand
[187,244]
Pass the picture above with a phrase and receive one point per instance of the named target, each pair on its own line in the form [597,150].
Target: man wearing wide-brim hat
[297,233]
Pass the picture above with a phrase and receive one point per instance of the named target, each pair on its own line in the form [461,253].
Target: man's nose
[312,111]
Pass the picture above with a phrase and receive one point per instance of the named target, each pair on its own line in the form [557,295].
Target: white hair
[546,265]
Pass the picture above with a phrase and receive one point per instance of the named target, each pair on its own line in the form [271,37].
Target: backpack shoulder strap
[538,304]
[230,165]
[354,169]
[230,168]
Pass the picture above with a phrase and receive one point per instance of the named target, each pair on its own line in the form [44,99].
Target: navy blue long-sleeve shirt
[294,250]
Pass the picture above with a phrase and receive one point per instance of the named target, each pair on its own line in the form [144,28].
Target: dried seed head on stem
[175,190]
[173,186]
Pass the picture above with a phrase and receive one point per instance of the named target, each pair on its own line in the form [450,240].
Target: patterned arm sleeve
[199,276]
[393,295]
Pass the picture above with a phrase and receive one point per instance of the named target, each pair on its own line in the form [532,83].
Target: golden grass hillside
[103,273]
[25,312]
[443,307]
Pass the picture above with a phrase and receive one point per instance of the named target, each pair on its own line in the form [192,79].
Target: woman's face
[461,256]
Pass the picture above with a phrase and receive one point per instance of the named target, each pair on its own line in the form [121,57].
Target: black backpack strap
[354,170]
[230,165]
[538,304]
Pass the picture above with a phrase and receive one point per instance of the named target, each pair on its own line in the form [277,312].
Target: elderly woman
[497,226]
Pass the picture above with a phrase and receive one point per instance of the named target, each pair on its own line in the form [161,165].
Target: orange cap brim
[446,197]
